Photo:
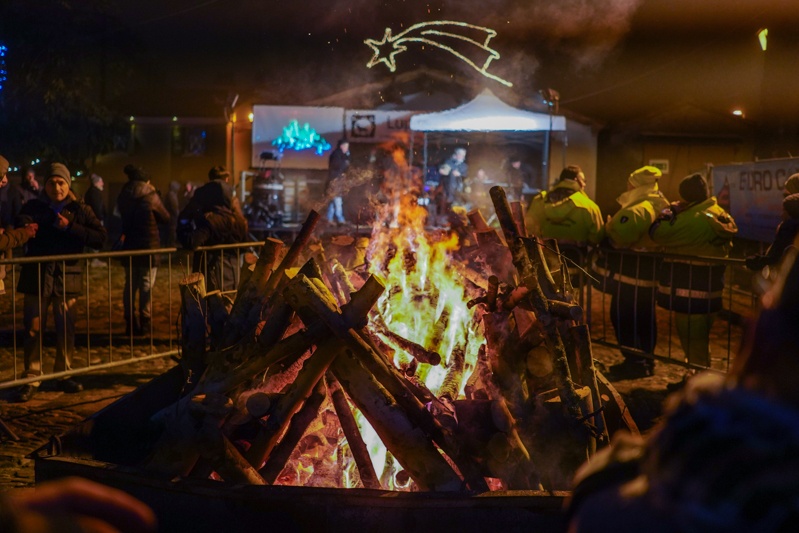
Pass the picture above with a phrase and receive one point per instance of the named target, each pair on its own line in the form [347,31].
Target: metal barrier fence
[93,331]
[683,310]
[104,339]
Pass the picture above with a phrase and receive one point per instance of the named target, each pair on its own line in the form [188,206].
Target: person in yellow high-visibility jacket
[567,214]
[634,275]
[698,228]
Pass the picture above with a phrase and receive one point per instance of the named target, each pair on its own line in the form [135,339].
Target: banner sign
[272,129]
[376,126]
[752,194]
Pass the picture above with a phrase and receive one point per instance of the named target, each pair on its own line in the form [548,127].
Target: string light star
[380,55]
[467,42]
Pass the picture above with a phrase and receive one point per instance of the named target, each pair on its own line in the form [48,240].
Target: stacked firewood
[524,423]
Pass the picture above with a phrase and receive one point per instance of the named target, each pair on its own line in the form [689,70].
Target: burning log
[288,404]
[397,430]
[585,363]
[249,294]
[341,277]
[417,351]
[193,328]
[358,448]
[529,277]
[217,311]
[517,209]
[299,424]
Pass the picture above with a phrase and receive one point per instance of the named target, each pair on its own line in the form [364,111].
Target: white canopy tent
[487,113]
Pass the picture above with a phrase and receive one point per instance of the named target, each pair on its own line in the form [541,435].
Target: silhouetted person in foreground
[726,455]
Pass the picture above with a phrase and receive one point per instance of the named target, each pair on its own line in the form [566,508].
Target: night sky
[609,59]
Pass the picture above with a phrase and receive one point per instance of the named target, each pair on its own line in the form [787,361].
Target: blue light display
[3,73]
[299,138]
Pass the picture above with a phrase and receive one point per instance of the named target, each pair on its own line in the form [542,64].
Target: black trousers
[632,312]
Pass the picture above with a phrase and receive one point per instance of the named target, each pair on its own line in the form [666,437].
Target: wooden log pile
[299,344]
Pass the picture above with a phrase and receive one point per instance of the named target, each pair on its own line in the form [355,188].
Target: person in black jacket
[93,197]
[784,238]
[141,211]
[66,225]
[213,216]
[10,238]
[338,163]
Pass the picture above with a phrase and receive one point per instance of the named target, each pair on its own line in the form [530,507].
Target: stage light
[738,112]
[762,36]
[251,117]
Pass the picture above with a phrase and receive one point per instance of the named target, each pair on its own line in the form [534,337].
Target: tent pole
[424,158]
[545,158]
[410,149]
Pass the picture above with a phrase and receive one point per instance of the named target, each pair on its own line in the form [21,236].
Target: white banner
[374,126]
[752,194]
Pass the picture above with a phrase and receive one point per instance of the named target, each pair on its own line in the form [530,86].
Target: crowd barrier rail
[678,292]
[101,340]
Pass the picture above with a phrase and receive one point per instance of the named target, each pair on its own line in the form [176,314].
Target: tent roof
[487,113]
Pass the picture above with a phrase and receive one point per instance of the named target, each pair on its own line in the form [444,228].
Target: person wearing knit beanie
[66,227]
[693,189]
[59,170]
[57,184]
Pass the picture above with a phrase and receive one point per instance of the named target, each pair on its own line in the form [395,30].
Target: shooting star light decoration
[457,38]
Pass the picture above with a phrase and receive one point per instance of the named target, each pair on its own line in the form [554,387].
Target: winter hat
[135,173]
[693,188]
[218,173]
[59,170]
[3,165]
[791,185]
[791,205]
[647,175]
[570,173]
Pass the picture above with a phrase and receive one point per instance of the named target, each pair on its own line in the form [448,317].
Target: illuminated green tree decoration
[299,138]
[467,42]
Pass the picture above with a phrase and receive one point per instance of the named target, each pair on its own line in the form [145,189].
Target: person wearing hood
[141,211]
[634,275]
[65,227]
[695,227]
[213,216]
[567,214]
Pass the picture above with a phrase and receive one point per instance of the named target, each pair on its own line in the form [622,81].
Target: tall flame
[425,297]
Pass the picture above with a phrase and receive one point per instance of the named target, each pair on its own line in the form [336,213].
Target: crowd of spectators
[53,221]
